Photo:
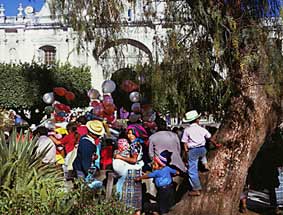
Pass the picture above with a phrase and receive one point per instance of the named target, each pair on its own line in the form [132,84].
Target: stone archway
[121,53]
[119,72]
[125,41]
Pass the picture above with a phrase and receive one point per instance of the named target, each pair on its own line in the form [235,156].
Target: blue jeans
[119,186]
[194,155]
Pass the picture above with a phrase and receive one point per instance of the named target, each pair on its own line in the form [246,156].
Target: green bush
[22,86]
[27,185]
[90,203]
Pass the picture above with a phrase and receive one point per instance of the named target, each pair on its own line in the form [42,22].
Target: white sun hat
[191,116]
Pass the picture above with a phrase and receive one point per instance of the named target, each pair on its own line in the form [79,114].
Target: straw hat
[96,127]
[191,116]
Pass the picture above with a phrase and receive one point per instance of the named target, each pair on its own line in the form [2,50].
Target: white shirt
[195,136]
[43,143]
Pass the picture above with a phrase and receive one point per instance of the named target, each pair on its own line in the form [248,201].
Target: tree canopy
[207,43]
[207,48]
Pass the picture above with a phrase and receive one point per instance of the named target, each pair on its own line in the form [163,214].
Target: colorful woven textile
[132,191]
[279,190]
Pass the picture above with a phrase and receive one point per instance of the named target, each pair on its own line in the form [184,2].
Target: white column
[20,13]
[2,13]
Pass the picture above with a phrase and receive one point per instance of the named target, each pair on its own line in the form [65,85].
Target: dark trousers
[166,198]
[272,197]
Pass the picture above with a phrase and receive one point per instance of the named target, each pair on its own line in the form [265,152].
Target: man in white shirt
[194,139]
[44,142]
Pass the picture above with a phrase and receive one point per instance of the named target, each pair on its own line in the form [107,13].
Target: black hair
[72,127]
[161,123]
[41,131]
[175,129]
[194,121]
[82,120]
[167,155]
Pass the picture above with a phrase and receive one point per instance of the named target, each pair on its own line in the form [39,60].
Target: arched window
[49,54]
[13,55]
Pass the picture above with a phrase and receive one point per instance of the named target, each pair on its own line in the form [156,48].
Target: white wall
[38,30]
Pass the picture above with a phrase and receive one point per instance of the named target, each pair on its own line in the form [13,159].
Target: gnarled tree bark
[251,117]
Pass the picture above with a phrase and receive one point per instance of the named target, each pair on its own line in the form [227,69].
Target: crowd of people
[136,154]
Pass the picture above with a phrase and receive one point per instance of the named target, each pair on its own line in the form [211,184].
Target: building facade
[35,36]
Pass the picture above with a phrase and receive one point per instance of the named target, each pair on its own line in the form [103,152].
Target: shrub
[22,86]
[27,185]
[90,203]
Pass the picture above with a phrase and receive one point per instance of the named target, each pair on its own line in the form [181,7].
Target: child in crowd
[68,141]
[123,148]
[162,175]
[194,139]
[81,128]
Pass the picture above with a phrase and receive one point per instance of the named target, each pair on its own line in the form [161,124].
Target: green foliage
[274,68]
[178,88]
[210,50]
[106,207]
[90,202]
[210,55]
[22,86]
[28,186]
[96,20]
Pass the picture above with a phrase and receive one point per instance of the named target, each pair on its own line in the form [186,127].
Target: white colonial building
[35,36]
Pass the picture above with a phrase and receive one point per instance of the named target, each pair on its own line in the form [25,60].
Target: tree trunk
[251,117]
